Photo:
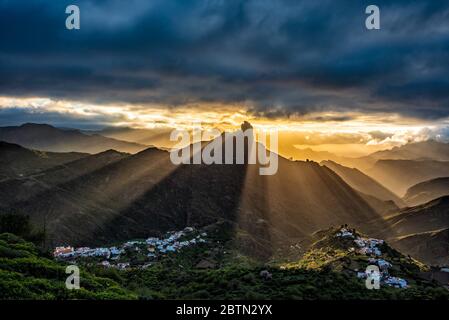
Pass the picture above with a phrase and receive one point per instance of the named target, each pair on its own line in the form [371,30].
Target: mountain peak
[246,126]
[36,125]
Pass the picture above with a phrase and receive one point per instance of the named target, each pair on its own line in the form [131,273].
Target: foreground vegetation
[25,273]
[213,270]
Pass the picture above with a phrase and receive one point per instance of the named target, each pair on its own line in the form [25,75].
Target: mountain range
[363,183]
[424,150]
[48,138]
[111,196]
[426,191]
[93,199]
[16,161]
[422,231]
[400,175]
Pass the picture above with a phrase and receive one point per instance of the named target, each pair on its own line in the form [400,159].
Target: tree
[19,225]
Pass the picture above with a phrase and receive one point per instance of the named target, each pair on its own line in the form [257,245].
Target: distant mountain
[304,154]
[399,175]
[426,191]
[144,194]
[382,207]
[363,183]
[420,231]
[430,247]
[48,138]
[159,137]
[16,161]
[431,216]
[430,150]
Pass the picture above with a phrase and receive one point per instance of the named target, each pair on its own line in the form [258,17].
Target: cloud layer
[276,58]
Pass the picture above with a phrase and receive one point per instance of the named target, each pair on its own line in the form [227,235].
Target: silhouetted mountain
[16,161]
[399,175]
[363,183]
[426,191]
[430,149]
[48,138]
[144,194]
[430,247]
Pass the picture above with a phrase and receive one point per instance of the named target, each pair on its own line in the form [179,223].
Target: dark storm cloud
[277,57]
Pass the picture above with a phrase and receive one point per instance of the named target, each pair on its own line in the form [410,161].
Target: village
[371,247]
[133,254]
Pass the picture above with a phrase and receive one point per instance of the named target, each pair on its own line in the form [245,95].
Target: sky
[309,68]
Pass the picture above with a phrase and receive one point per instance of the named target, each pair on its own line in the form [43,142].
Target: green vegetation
[327,271]
[25,273]
[19,224]
[235,282]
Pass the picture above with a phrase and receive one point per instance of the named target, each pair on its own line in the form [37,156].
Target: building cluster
[152,248]
[84,252]
[371,247]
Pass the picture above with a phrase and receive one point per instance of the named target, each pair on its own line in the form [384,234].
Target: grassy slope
[27,274]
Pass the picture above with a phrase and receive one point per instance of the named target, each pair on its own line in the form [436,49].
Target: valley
[137,217]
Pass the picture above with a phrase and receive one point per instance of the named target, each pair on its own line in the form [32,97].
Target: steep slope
[430,247]
[399,175]
[347,252]
[431,216]
[426,191]
[75,208]
[146,194]
[382,207]
[21,188]
[363,183]
[48,138]
[16,161]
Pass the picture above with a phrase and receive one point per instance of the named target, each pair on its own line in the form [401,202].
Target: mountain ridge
[426,191]
[363,183]
[48,138]
[145,193]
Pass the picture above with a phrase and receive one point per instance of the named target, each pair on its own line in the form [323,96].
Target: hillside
[214,269]
[430,216]
[48,138]
[23,187]
[363,183]
[25,273]
[426,191]
[16,161]
[327,271]
[399,175]
[430,247]
[145,194]
[382,207]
